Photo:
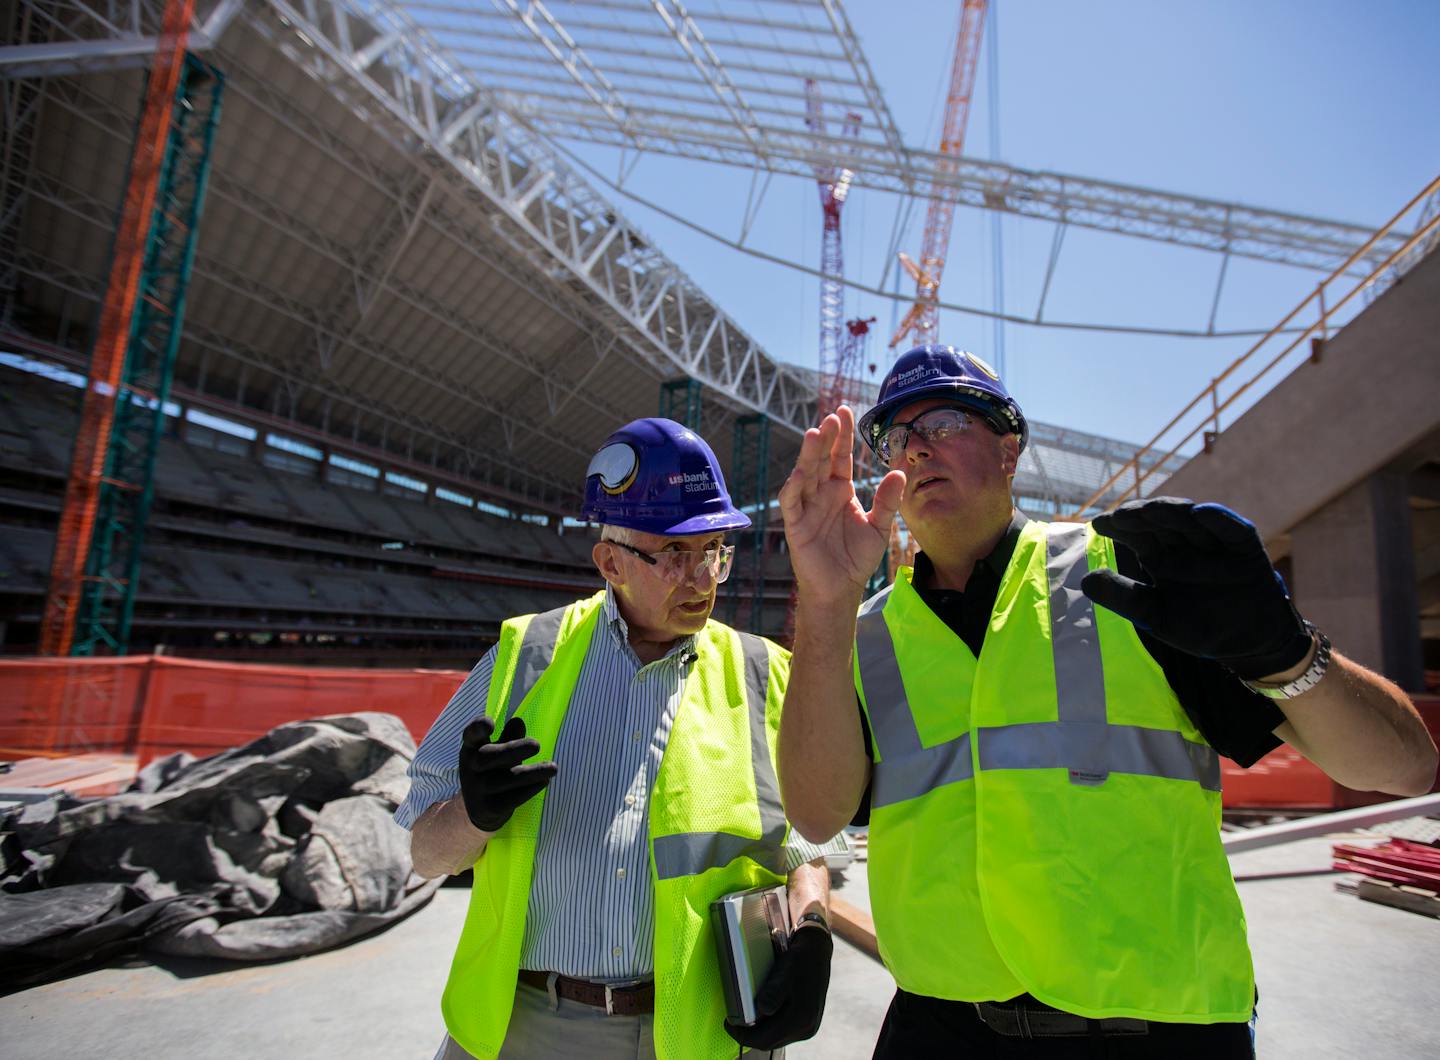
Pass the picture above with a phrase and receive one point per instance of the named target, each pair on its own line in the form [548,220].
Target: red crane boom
[922,316]
[834,184]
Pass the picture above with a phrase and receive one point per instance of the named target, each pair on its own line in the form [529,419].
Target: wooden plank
[854,925]
[1427,903]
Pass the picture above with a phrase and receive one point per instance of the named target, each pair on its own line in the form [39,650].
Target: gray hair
[621,535]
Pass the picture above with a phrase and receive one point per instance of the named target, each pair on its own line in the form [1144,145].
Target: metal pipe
[1329,823]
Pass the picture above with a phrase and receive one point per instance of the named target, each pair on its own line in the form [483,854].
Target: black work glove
[792,998]
[1211,590]
[492,780]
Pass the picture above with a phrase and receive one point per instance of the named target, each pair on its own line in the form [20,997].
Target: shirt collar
[620,630]
[996,561]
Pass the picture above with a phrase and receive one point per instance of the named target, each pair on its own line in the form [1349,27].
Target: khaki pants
[542,1028]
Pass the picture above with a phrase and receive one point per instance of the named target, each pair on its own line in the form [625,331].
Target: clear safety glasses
[677,566]
[934,425]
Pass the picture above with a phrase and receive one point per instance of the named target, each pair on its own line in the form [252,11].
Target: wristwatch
[811,917]
[1307,680]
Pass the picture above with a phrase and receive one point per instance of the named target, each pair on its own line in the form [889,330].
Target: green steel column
[113,567]
[680,401]
[749,488]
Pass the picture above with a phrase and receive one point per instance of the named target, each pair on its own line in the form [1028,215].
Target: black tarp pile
[279,848]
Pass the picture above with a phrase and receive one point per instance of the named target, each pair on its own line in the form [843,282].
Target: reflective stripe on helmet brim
[1080,741]
[692,853]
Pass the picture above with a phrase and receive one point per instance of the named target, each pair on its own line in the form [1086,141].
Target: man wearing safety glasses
[1041,708]
[589,932]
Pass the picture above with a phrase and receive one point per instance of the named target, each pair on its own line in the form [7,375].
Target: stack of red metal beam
[1394,861]
[1398,872]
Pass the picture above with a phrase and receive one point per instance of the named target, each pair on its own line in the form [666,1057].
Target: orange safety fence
[53,707]
[151,705]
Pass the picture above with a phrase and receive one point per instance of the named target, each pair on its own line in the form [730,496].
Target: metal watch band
[1307,680]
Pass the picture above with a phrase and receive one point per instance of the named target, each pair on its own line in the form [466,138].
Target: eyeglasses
[679,566]
[934,425]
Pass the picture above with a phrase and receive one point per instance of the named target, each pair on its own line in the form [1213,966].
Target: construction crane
[834,184]
[922,316]
[73,566]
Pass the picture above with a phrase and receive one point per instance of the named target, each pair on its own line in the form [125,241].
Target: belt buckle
[609,1000]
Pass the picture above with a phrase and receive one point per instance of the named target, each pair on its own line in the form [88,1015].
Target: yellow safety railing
[1326,307]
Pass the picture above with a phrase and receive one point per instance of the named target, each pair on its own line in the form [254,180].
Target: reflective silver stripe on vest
[537,649]
[694,852]
[1079,674]
[906,770]
[1092,752]
[1080,741]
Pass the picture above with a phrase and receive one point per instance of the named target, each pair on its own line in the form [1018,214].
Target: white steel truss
[725,84]
[372,56]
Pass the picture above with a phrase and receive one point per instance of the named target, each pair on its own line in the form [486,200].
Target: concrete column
[1353,563]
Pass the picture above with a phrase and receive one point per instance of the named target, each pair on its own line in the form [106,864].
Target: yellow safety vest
[716,825]
[1045,819]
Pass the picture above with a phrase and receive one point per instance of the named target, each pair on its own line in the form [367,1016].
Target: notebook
[751,927]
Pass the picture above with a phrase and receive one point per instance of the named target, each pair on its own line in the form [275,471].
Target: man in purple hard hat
[1041,710]
[589,931]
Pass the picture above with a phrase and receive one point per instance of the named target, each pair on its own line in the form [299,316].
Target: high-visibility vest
[716,825]
[1045,819]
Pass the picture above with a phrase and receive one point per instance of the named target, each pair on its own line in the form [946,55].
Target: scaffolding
[750,492]
[112,576]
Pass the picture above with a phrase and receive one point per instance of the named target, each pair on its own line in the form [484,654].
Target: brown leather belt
[1029,1018]
[637,1000]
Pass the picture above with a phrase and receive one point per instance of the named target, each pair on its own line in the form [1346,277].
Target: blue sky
[1320,107]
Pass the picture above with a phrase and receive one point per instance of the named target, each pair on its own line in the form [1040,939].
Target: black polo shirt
[1238,723]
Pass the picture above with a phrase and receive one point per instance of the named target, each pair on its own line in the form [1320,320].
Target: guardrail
[1325,304]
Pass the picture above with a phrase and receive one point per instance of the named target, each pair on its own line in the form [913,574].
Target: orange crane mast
[107,361]
[922,316]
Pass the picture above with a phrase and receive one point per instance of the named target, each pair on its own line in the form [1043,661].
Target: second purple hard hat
[659,477]
[943,371]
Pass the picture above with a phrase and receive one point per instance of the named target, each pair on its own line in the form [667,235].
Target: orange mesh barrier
[52,707]
[152,705]
[204,707]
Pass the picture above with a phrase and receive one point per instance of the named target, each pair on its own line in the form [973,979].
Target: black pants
[919,1026]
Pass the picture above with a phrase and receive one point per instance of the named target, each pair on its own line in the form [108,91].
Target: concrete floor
[1339,977]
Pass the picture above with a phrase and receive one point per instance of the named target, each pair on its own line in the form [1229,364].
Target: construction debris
[1400,872]
[282,847]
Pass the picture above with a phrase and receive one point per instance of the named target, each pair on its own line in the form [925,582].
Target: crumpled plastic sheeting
[279,848]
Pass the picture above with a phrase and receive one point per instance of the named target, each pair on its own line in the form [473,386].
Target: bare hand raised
[835,544]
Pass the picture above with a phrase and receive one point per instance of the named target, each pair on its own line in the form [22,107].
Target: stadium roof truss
[725,81]
[392,253]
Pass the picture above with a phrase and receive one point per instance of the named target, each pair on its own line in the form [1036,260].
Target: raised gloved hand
[791,1001]
[1211,590]
[492,780]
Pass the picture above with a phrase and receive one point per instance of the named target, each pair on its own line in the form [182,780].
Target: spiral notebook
[751,928]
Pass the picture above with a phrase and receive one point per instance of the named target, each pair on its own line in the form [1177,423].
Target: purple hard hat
[659,477]
[944,371]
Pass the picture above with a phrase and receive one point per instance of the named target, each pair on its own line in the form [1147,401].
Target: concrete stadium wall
[1374,396]
[1328,465]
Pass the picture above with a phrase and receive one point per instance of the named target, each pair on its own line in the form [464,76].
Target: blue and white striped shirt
[591,913]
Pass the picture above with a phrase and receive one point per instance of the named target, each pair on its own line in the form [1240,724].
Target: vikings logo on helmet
[617,465]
